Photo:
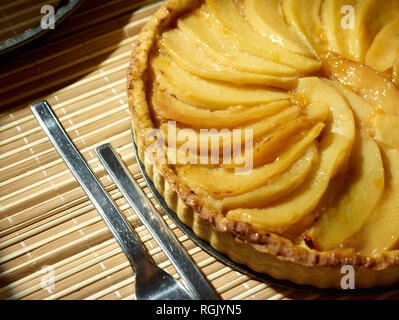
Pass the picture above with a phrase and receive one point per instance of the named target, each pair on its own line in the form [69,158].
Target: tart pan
[64,9]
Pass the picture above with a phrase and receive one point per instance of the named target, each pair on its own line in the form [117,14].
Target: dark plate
[241,268]
[64,9]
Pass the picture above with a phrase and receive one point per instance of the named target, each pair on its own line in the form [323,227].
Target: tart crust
[269,253]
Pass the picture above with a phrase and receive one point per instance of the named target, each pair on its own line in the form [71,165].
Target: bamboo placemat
[53,244]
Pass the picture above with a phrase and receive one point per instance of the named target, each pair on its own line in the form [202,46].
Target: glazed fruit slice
[331,17]
[347,26]
[356,42]
[216,139]
[232,23]
[367,83]
[362,110]
[379,14]
[304,18]
[384,50]
[277,186]
[190,88]
[363,189]
[171,108]
[334,151]
[188,56]
[271,145]
[370,17]
[318,111]
[266,18]
[316,90]
[199,28]
[381,231]
[202,179]
[387,130]
[280,215]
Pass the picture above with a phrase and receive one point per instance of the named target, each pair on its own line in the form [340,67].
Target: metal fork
[152,220]
[151,282]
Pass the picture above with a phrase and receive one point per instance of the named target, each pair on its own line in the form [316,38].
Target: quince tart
[279,121]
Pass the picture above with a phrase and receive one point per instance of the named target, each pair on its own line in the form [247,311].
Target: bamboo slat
[45,218]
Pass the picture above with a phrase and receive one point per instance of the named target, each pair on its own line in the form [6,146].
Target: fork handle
[193,278]
[106,207]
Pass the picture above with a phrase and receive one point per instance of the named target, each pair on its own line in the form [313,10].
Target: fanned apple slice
[247,39]
[171,108]
[266,18]
[212,139]
[384,128]
[387,130]
[304,18]
[269,147]
[334,150]
[209,94]
[188,56]
[362,110]
[350,41]
[317,90]
[187,154]
[363,189]
[356,42]
[202,180]
[384,50]
[318,111]
[367,83]
[342,120]
[371,16]
[377,15]
[277,186]
[278,216]
[381,231]
[331,17]
[201,31]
